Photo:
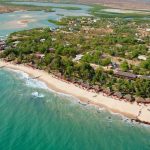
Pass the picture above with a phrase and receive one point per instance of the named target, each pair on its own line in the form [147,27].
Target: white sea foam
[117,114]
[34,83]
[36,94]
[128,120]
[39,84]
[1,36]
[101,109]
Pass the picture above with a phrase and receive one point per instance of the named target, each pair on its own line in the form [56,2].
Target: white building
[142,57]
[78,57]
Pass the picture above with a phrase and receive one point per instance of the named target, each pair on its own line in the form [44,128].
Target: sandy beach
[16,24]
[133,111]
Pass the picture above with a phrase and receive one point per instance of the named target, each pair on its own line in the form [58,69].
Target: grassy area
[34,7]
[59,23]
[98,11]
[64,21]
[69,8]
[26,7]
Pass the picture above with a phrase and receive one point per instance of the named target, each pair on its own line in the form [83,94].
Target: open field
[5,8]
[132,4]
[127,4]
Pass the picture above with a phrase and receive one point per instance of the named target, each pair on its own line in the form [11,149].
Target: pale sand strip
[125,108]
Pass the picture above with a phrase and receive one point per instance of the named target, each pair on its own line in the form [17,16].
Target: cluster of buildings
[143,31]
[40,55]
[2,45]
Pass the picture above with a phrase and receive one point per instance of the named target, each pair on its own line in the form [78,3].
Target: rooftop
[125,74]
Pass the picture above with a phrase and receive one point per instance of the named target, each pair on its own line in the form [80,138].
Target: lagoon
[22,20]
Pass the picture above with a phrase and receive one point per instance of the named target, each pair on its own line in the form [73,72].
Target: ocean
[33,117]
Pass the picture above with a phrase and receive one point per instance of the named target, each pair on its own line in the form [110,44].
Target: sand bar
[117,106]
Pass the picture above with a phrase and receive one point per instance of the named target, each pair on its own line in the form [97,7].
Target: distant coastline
[137,112]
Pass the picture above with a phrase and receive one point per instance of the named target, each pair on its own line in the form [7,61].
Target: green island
[104,54]
[58,22]
[68,8]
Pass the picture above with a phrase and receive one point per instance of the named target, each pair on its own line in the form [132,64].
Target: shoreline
[134,111]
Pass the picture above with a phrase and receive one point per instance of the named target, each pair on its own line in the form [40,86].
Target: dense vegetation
[100,43]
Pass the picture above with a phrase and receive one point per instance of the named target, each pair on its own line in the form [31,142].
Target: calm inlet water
[10,22]
[35,118]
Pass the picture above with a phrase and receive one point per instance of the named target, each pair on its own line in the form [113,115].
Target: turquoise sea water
[35,118]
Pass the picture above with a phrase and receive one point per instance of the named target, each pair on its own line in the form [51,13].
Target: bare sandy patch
[123,11]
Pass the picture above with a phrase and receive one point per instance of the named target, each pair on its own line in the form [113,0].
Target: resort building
[125,75]
[142,57]
[78,57]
